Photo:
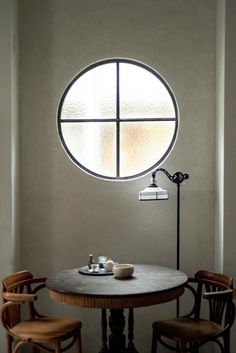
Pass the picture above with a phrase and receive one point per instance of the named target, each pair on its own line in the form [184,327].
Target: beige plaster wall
[226,74]
[9,182]
[66,214]
[230,131]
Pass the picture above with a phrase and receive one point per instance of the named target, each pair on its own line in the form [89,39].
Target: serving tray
[101,272]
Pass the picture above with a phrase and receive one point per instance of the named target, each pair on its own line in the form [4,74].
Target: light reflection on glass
[92,145]
[93,95]
[143,144]
[142,95]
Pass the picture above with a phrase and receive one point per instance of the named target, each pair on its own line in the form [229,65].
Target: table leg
[104,348]
[117,338]
[131,348]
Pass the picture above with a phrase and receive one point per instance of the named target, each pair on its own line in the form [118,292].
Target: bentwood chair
[43,333]
[192,331]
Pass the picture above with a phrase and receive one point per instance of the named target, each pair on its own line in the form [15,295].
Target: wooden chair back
[210,282]
[203,323]
[11,280]
[21,282]
[20,290]
[10,284]
[214,277]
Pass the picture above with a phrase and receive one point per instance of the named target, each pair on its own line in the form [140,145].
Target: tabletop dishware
[123,270]
[109,265]
[102,261]
[94,267]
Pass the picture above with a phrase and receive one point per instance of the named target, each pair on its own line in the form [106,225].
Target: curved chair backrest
[17,277]
[22,282]
[12,284]
[219,306]
[215,277]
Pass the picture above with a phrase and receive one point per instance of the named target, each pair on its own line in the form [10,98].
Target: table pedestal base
[104,348]
[131,347]
[117,340]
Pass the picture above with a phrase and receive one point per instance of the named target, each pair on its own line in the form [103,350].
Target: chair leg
[9,341]
[183,347]
[154,342]
[35,349]
[18,346]
[58,347]
[78,344]
[226,344]
[194,348]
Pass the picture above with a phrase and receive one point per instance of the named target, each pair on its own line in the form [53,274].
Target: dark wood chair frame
[217,289]
[22,288]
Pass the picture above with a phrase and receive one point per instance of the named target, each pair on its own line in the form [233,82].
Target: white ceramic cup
[94,267]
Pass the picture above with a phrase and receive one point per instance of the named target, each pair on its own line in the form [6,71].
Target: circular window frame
[176,119]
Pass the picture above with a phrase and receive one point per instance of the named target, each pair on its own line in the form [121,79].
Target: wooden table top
[149,285]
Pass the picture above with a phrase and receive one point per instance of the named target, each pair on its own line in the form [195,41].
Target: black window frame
[118,120]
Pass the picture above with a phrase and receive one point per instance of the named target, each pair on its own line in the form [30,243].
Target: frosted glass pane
[143,144]
[142,94]
[93,95]
[92,145]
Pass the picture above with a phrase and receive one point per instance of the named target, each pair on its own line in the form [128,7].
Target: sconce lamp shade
[153,192]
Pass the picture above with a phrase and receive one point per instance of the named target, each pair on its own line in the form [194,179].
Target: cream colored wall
[56,218]
[230,132]
[9,179]
[226,196]
[226,129]
[67,214]
[57,197]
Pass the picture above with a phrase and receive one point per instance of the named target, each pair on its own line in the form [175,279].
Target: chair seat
[46,329]
[187,329]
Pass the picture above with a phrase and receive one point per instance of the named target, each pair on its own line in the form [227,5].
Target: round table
[149,285]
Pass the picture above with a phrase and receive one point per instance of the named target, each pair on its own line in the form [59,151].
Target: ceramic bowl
[123,270]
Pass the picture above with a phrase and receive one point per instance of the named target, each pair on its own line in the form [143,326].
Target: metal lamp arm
[177,177]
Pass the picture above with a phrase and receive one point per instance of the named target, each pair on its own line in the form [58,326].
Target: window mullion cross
[117,119]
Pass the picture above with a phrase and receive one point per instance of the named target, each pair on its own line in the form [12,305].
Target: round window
[118,119]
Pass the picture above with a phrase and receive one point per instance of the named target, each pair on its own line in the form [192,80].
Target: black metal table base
[117,339]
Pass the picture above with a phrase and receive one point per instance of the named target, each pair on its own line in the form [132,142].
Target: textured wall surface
[9,149]
[66,214]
